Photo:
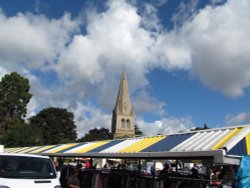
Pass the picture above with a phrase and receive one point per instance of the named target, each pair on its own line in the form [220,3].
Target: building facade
[123,119]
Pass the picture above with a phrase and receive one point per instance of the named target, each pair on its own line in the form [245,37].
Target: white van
[24,170]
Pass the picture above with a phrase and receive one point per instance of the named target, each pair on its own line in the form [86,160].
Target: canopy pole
[139,165]
[91,162]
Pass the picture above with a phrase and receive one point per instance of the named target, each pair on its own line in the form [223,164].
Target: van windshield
[26,167]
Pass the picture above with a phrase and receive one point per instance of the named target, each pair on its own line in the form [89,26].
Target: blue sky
[187,61]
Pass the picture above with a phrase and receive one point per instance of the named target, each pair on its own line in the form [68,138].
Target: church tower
[123,120]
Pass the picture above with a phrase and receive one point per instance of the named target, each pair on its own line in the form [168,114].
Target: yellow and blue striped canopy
[232,140]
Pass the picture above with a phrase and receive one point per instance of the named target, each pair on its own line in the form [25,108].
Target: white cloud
[88,117]
[238,119]
[40,6]
[218,38]
[216,2]
[142,102]
[167,125]
[29,41]
[213,45]
[2,72]
[41,96]
[91,63]
[115,37]
[184,12]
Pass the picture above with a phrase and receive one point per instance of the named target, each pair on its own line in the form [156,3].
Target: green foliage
[138,132]
[200,128]
[96,134]
[2,135]
[14,97]
[21,134]
[57,125]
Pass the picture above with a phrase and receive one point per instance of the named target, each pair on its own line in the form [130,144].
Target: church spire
[123,104]
[123,113]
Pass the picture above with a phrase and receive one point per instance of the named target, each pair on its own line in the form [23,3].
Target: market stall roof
[224,145]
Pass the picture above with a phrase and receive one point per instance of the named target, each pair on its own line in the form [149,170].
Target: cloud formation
[29,41]
[238,119]
[212,44]
[166,125]
[218,38]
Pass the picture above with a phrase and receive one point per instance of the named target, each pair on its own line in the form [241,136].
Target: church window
[128,124]
[123,123]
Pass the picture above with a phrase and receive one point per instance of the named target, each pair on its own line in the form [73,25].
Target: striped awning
[228,141]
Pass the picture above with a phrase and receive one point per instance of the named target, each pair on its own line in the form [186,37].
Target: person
[79,166]
[151,169]
[73,180]
[164,172]
[60,164]
[228,176]
[87,165]
[214,175]
[56,165]
[166,169]
[66,172]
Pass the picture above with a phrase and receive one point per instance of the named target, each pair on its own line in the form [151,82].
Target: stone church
[123,120]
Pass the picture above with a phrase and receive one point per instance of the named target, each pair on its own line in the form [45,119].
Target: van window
[26,167]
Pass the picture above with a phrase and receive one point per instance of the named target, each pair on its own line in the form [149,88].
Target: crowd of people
[215,175]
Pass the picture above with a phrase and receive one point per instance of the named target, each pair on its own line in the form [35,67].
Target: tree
[138,132]
[57,125]
[201,128]
[21,134]
[14,97]
[96,134]
[205,126]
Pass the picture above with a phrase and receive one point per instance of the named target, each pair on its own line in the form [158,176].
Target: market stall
[222,145]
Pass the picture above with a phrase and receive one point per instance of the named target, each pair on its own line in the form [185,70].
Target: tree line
[49,126]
